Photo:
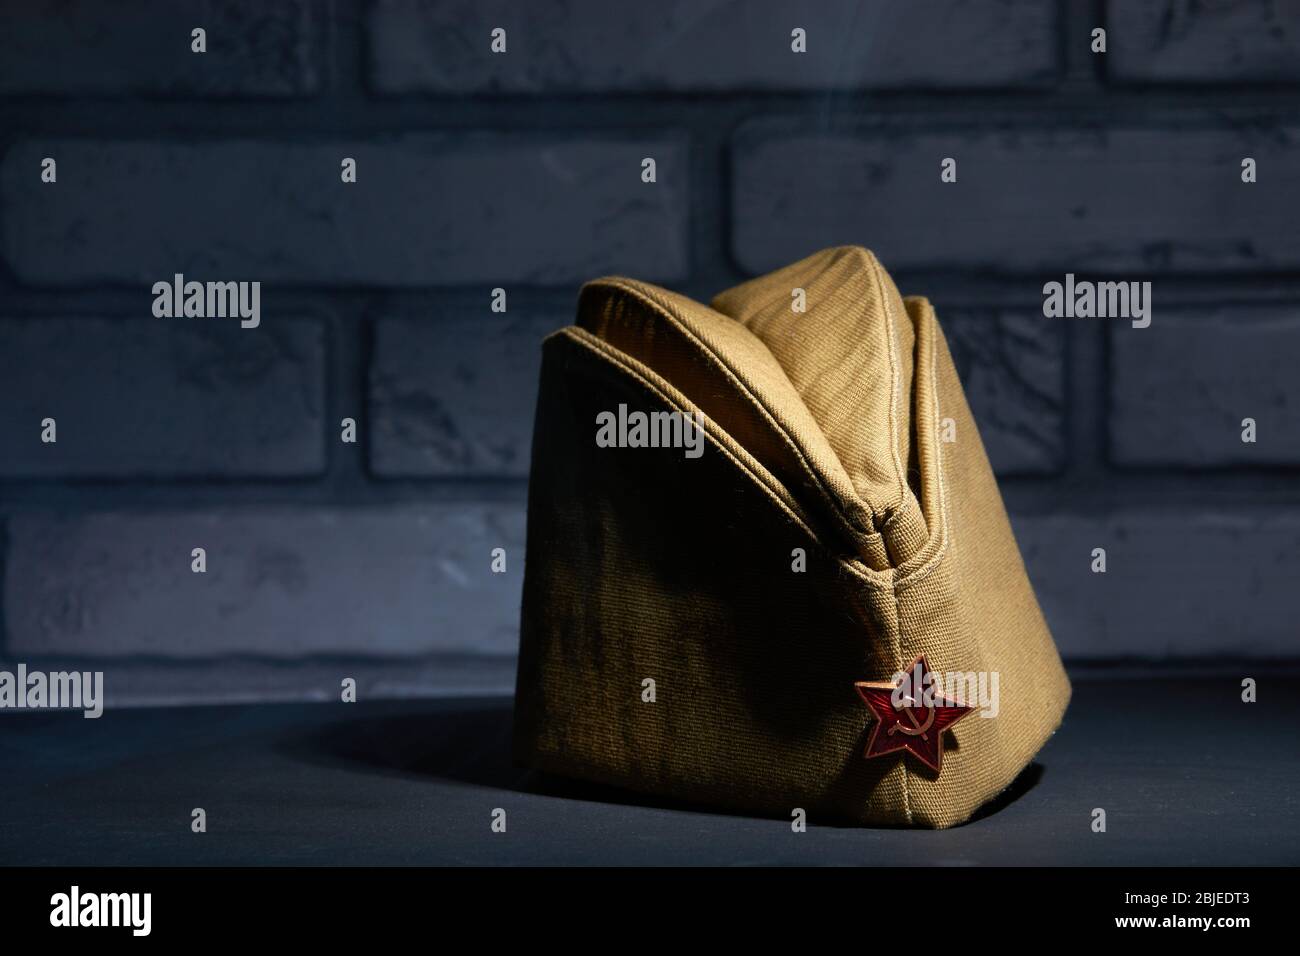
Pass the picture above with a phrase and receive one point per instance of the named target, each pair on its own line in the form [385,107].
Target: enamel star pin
[911,715]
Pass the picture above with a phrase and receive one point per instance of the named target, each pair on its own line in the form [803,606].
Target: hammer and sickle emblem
[910,715]
[918,729]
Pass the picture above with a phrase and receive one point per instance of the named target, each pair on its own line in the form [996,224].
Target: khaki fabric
[822,434]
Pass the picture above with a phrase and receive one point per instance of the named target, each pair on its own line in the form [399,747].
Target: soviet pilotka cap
[768,566]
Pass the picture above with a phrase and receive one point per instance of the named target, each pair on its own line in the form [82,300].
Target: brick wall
[522,171]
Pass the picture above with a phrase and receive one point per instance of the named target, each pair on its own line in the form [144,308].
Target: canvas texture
[824,431]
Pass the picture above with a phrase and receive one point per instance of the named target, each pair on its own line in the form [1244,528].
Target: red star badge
[919,719]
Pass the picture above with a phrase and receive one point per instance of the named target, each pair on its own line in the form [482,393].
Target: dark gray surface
[1187,773]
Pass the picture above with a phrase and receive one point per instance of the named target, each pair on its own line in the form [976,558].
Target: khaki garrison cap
[768,565]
